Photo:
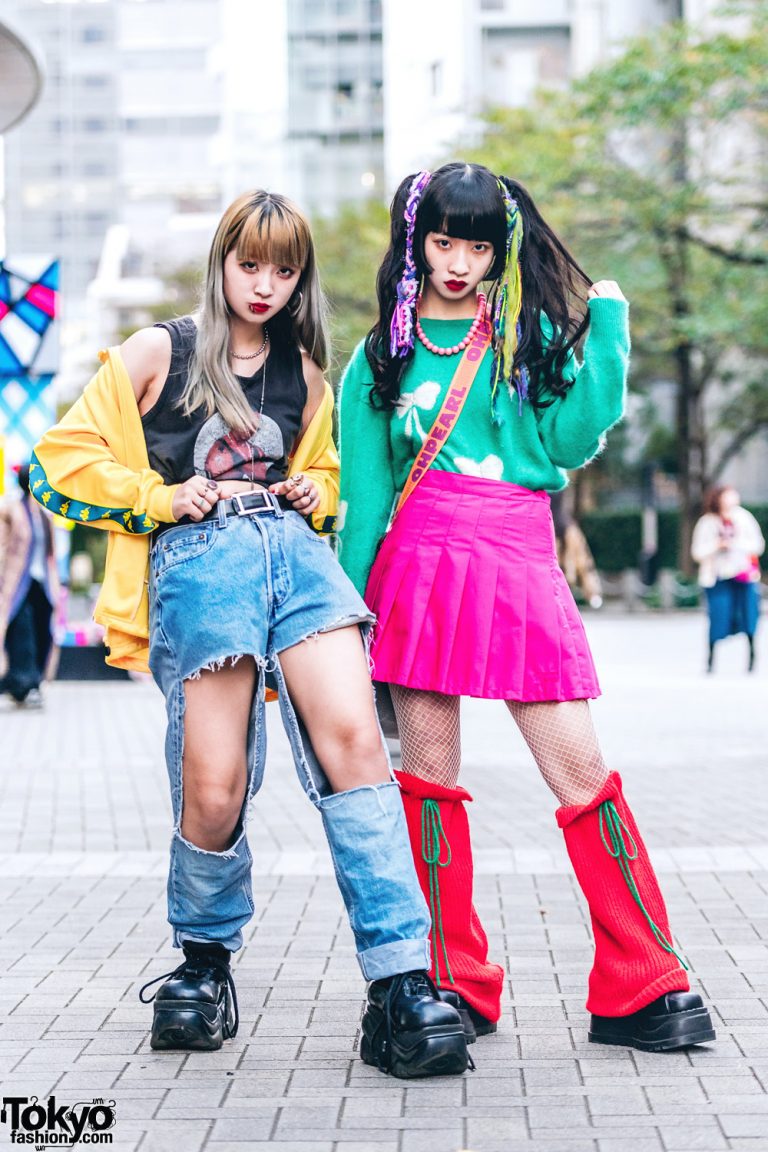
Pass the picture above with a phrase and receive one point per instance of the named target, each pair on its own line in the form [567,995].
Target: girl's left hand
[607,288]
[301,492]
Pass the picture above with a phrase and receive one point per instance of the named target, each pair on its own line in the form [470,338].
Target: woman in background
[726,544]
[28,593]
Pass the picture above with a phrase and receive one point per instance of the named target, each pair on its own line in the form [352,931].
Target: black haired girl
[465,586]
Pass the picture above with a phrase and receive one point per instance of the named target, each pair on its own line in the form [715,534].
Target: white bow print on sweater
[424,397]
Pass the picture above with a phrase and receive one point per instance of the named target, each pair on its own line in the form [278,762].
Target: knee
[353,742]
[214,804]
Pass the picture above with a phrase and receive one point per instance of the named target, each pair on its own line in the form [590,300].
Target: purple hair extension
[401,329]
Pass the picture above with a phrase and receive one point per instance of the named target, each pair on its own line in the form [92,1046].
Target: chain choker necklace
[479,314]
[251,355]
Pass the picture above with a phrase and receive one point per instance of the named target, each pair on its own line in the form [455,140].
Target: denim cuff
[391,959]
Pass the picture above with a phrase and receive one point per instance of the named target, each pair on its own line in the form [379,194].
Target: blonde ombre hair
[261,226]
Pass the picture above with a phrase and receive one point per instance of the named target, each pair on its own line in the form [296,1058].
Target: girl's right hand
[608,288]
[194,498]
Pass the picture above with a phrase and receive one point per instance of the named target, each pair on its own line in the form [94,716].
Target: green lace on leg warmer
[432,840]
[624,850]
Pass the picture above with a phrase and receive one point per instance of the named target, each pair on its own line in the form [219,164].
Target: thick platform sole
[475,1024]
[429,1052]
[482,1026]
[191,1027]
[678,1030]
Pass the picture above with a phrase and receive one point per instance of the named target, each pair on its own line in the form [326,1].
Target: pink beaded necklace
[479,314]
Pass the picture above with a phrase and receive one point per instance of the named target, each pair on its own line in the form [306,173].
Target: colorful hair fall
[507,309]
[401,329]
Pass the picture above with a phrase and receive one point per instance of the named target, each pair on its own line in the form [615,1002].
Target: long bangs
[275,232]
[464,201]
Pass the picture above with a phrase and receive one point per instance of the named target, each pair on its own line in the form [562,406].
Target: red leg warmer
[439,832]
[635,961]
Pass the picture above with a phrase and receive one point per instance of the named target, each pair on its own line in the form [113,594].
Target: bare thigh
[216,718]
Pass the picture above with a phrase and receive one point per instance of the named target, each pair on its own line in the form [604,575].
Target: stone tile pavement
[84,819]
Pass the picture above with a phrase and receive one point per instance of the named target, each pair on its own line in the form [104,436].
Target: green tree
[653,170]
[350,247]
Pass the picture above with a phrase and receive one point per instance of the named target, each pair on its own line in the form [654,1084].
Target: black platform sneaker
[196,1008]
[475,1024]
[675,1020]
[408,1031]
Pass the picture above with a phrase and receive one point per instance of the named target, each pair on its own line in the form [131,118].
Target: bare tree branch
[734,446]
[751,258]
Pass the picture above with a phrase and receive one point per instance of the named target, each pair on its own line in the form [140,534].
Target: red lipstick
[456,285]
[259,308]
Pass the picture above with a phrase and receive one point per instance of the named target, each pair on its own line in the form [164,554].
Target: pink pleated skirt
[470,600]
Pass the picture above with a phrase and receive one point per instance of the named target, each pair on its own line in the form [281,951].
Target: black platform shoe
[197,1006]
[676,1020]
[408,1031]
[475,1024]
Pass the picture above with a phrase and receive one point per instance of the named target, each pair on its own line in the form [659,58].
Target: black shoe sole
[486,1028]
[475,1024]
[196,1028]
[678,1030]
[470,1035]
[429,1052]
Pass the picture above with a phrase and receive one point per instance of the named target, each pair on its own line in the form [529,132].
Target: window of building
[92,34]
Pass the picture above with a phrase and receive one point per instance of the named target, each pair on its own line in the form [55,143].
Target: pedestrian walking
[29,590]
[204,445]
[726,544]
[460,415]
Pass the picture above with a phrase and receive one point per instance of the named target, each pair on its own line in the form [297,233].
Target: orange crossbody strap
[450,409]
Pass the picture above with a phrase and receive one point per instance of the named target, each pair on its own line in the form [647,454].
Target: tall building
[445,63]
[61,164]
[335,101]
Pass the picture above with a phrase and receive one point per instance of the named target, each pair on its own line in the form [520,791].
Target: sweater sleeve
[74,471]
[571,428]
[367,475]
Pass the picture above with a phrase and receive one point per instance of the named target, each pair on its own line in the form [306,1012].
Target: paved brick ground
[84,819]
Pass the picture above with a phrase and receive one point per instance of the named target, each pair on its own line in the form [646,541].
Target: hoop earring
[294,311]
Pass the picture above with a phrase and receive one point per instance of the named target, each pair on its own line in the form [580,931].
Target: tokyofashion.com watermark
[47,1124]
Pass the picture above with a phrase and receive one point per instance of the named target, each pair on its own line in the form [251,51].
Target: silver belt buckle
[268,503]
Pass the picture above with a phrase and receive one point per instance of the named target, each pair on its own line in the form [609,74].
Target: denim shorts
[238,586]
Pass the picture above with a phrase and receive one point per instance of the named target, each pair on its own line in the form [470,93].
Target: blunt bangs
[275,233]
[464,201]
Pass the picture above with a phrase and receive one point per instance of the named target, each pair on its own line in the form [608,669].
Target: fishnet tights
[564,745]
[430,734]
[560,736]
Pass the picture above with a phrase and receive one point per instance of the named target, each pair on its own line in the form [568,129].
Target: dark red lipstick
[259,308]
[456,285]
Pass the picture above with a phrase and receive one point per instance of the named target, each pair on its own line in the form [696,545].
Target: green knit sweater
[530,447]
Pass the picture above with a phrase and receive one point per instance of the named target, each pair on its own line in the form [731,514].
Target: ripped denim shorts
[222,589]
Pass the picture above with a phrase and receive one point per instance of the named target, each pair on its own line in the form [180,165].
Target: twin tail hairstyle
[534,277]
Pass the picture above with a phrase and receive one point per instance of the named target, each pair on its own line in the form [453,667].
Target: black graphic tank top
[179,446]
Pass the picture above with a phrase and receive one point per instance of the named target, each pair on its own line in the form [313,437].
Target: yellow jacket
[93,467]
